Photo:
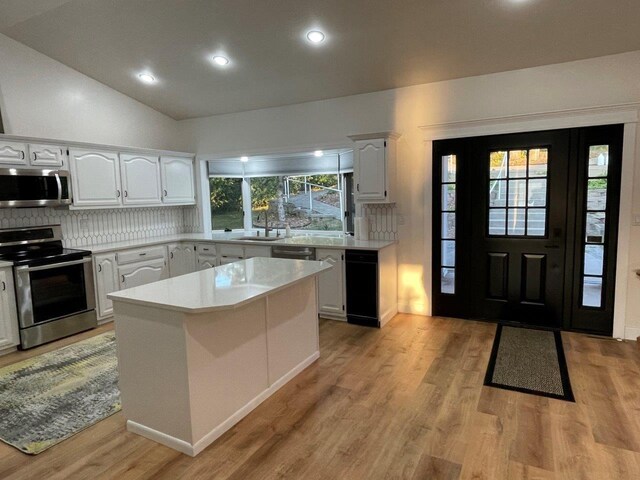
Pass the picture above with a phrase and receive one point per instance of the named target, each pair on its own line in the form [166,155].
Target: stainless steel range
[55,293]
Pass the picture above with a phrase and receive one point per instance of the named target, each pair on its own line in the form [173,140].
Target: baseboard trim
[631,333]
[388,315]
[414,308]
[213,435]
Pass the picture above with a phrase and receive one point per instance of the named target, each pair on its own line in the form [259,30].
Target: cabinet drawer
[141,254]
[229,250]
[206,249]
[13,153]
[47,155]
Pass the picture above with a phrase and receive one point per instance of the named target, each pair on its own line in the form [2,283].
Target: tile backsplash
[93,227]
[383,221]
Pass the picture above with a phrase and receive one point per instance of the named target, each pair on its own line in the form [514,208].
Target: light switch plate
[636,219]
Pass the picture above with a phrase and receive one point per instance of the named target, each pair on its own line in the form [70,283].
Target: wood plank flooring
[406,401]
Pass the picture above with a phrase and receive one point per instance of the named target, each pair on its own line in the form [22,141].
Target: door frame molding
[627,114]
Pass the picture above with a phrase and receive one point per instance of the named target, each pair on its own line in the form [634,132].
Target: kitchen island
[198,352]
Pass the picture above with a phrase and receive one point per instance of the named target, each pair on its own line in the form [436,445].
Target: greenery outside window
[226,203]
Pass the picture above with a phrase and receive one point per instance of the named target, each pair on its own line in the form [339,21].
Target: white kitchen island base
[186,377]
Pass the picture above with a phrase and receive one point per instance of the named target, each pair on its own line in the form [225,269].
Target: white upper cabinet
[13,153]
[374,167]
[95,178]
[140,179]
[47,155]
[177,180]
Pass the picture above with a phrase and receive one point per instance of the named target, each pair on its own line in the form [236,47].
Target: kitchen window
[303,191]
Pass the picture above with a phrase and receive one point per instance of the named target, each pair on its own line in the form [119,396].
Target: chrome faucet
[266,222]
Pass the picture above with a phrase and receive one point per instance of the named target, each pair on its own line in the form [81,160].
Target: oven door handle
[53,265]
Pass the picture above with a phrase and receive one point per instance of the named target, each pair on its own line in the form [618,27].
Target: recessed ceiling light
[220,60]
[318,153]
[146,78]
[315,36]
[244,159]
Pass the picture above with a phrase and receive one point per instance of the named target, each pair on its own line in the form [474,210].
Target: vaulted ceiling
[370,45]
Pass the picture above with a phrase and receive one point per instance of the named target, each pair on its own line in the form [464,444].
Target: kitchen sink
[260,239]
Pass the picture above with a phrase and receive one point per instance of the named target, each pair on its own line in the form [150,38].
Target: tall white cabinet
[374,167]
[9,336]
[95,178]
[331,287]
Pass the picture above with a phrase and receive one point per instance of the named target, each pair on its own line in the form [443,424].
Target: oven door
[48,292]
[34,188]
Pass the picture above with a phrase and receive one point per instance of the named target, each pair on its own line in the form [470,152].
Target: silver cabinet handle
[53,265]
[22,156]
[99,268]
[118,193]
[126,194]
[123,280]
[171,254]
[35,156]
[143,254]
[4,286]
[358,187]
[165,193]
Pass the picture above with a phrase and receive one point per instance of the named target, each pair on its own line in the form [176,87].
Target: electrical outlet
[83,223]
[400,219]
[636,220]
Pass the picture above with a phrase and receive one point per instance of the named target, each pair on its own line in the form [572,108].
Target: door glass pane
[449,197]
[498,193]
[448,280]
[538,160]
[536,222]
[449,225]
[448,253]
[498,165]
[516,221]
[497,221]
[517,163]
[595,227]
[517,193]
[592,292]
[597,194]
[449,169]
[593,259]
[598,161]
[537,192]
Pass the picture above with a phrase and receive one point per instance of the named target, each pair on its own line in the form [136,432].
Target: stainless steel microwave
[21,187]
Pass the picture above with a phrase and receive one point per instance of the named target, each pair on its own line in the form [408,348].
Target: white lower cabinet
[331,291]
[229,259]
[106,273]
[205,262]
[142,273]
[9,336]
[182,259]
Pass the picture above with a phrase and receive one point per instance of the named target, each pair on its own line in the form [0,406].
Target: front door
[525,227]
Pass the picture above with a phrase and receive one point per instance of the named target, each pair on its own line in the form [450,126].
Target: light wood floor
[406,401]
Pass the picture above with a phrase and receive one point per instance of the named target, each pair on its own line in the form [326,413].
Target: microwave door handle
[52,265]
[59,183]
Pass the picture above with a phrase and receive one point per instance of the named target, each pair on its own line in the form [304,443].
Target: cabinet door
[205,262]
[181,259]
[106,273]
[331,283]
[177,180]
[140,179]
[251,251]
[95,178]
[13,153]
[9,336]
[142,273]
[370,170]
[47,155]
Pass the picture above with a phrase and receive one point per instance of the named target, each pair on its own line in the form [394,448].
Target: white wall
[41,97]
[595,82]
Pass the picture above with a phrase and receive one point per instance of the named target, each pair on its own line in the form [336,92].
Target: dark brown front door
[525,227]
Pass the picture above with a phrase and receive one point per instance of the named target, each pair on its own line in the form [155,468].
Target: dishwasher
[362,287]
[293,252]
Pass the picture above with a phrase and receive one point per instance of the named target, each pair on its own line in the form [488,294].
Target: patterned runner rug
[48,398]
[530,361]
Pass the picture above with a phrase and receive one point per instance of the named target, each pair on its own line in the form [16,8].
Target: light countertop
[5,264]
[319,241]
[221,288]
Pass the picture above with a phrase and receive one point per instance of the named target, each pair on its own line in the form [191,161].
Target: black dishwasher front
[362,287]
